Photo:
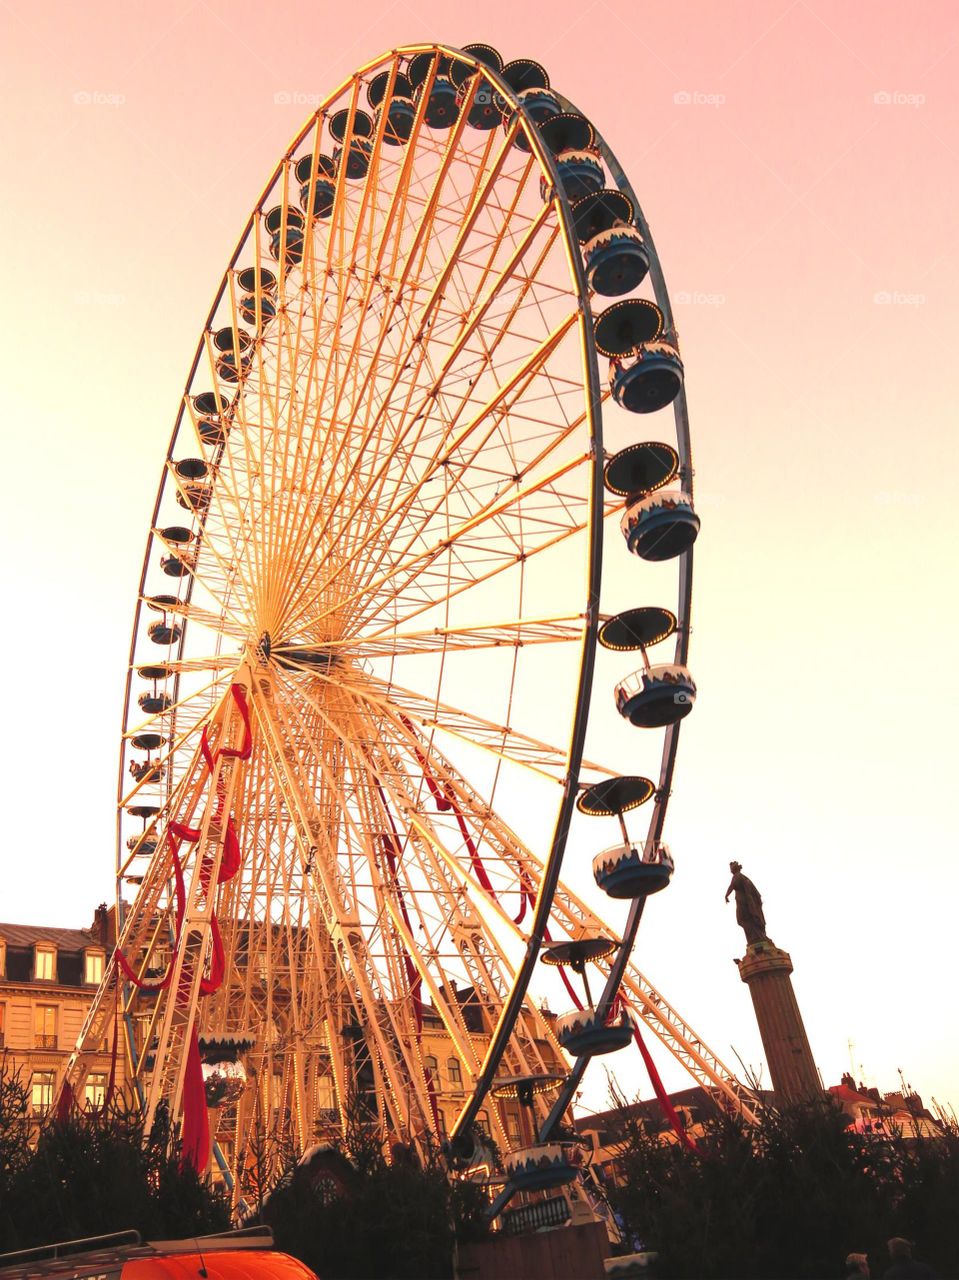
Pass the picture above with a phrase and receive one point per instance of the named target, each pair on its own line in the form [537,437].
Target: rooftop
[26,935]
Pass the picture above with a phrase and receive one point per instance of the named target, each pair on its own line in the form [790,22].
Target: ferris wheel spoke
[167,764]
[489,506]
[202,663]
[398,281]
[416,330]
[501,740]
[372,362]
[368,202]
[406,610]
[283,725]
[188,703]
[562,629]
[227,558]
[350,524]
[365,733]
[497,405]
[220,575]
[476,945]
[360,845]
[524,1054]
[413,560]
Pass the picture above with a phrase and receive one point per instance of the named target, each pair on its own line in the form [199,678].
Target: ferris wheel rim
[682,631]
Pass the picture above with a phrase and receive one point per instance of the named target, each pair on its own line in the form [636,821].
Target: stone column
[765,969]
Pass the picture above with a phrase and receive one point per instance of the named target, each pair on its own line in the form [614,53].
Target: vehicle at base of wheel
[234,1255]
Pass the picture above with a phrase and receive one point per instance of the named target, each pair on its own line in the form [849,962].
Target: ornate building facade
[48,977]
[47,980]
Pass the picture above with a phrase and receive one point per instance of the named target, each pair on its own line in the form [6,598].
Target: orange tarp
[234,1264]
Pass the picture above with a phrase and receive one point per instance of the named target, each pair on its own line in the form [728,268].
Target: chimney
[100,929]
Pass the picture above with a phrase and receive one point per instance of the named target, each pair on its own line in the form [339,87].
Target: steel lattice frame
[382,520]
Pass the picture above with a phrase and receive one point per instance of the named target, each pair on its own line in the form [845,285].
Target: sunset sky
[798,164]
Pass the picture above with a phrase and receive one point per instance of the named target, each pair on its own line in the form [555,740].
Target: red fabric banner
[669,1111]
[391,847]
[64,1103]
[526,896]
[195,1133]
[442,803]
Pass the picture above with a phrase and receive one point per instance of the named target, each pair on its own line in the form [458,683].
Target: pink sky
[798,165]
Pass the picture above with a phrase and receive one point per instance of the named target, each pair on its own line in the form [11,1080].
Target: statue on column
[749,905]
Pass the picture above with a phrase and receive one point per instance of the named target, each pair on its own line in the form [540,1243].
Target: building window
[326,1093]
[45,1026]
[45,964]
[441,1117]
[513,1130]
[95,1090]
[3,1025]
[456,1075]
[93,968]
[276,1091]
[41,1091]
[432,1068]
[482,1123]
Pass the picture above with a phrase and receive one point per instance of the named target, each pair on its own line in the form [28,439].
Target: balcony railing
[531,1217]
[44,1042]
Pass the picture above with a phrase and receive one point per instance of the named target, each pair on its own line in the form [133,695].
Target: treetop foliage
[789,1198]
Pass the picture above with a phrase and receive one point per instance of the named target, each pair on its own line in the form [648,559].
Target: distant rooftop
[25,935]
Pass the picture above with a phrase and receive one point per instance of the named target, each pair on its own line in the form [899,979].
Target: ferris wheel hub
[292,656]
[264,647]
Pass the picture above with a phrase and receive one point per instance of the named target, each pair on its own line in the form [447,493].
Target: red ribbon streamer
[669,1111]
[64,1103]
[196,1129]
[234,753]
[443,803]
[391,847]
[195,1133]
[526,895]
[180,898]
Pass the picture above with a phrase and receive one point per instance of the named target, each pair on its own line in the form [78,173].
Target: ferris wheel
[361,675]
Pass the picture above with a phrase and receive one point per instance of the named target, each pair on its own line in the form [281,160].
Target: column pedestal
[765,969]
